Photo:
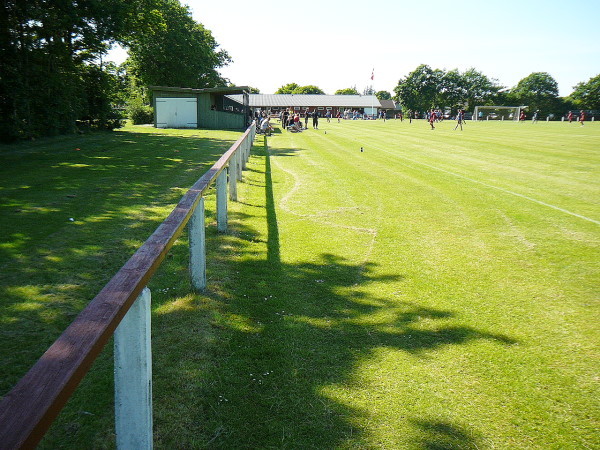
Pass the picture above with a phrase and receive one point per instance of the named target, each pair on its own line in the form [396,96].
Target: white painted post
[197,234]
[133,377]
[243,150]
[232,180]
[238,165]
[221,185]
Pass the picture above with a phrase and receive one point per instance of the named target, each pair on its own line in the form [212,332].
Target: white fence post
[243,151]
[239,165]
[232,180]
[197,238]
[133,377]
[222,201]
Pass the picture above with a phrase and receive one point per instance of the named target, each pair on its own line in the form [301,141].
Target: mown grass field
[437,290]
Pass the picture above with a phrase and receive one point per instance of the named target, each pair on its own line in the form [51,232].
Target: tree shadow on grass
[270,335]
[440,435]
[244,365]
[72,211]
[247,368]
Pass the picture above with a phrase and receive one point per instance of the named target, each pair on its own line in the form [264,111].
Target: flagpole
[373,93]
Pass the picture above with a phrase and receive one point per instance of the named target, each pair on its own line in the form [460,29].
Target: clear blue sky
[335,44]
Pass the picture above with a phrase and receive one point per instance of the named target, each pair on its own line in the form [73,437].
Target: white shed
[176,112]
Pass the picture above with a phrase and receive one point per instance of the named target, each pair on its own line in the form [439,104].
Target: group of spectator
[291,120]
[263,122]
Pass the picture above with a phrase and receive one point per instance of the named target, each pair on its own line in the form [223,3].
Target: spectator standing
[285,118]
[315,120]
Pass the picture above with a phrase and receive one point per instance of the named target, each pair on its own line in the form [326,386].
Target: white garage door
[176,113]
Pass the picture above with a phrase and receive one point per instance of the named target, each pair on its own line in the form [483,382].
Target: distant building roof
[388,104]
[220,90]
[308,100]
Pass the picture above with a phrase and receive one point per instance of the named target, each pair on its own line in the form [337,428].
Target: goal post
[497,112]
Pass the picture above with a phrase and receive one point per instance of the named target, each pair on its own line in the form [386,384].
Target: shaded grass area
[72,211]
[378,300]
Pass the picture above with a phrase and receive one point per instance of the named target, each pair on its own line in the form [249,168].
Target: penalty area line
[506,191]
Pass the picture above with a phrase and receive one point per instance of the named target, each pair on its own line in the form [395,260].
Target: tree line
[425,88]
[53,79]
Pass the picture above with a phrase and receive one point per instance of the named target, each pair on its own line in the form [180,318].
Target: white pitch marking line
[494,187]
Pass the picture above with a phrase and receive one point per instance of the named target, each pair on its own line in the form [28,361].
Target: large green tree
[587,95]
[418,90]
[287,88]
[478,89]
[51,68]
[174,50]
[426,88]
[538,91]
[383,95]
[50,53]
[452,92]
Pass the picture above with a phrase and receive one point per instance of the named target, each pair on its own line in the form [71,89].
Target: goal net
[496,113]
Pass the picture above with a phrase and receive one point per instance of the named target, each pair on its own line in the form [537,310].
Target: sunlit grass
[437,290]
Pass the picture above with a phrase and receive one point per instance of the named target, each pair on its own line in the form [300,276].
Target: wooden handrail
[28,410]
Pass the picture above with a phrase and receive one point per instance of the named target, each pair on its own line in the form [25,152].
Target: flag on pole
[373,74]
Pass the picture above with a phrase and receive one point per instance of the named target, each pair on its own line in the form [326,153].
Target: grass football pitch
[382,285]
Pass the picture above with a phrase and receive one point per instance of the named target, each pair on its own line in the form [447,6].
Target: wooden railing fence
[121,308]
